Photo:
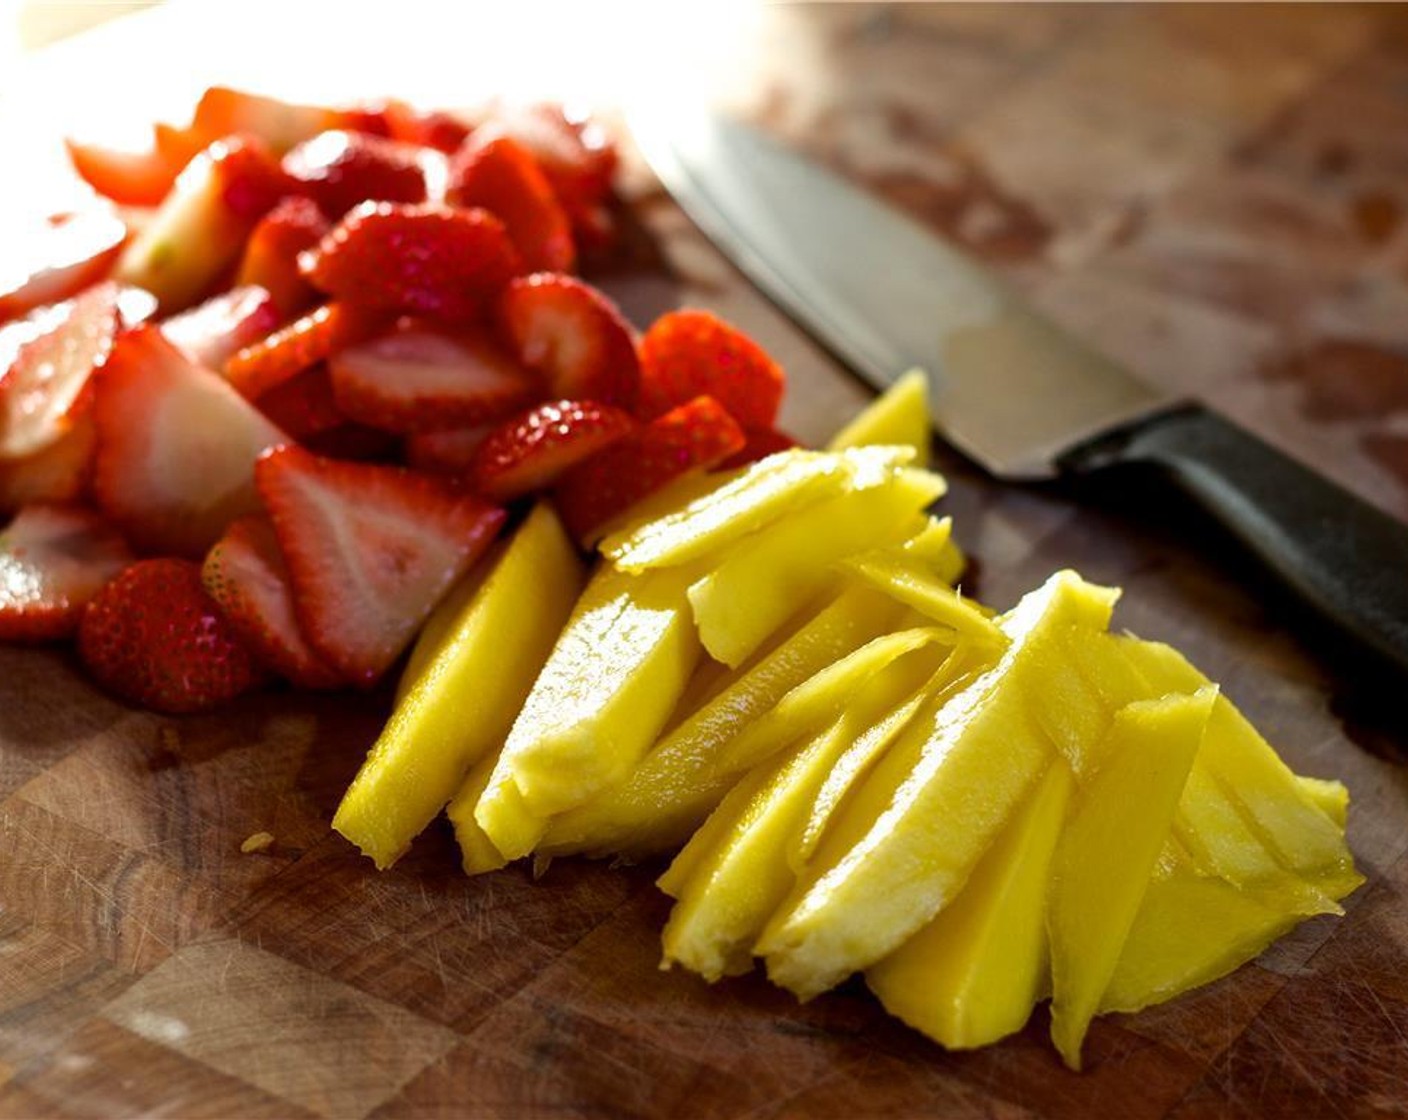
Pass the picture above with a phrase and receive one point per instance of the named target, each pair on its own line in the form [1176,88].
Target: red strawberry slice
[761,444]
[430,259]
[153,636]
[304,342]
[432,128]
[198,234]
[137,176]
[43,389]
[370,550]
[574,151]
[222,111]
[53,560]
[574,336]
[213,332]
[531,451]
[176,447]
[271,253]
[246,576]
[447,451]
[690,353]
[50,261]
[696,436]
[303,406]
[502,176]
[416,378]
[355,441]
[59,473]
[339,169]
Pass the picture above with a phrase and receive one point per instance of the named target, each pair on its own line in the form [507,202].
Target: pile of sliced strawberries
[256,422]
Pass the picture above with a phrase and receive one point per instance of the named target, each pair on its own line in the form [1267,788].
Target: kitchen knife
[1009,388]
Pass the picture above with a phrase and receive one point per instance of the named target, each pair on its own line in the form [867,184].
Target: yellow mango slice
[477,673]
[858,758]
[768,577]
[675,786]
[974,973]
[780,484]
[1302,838]
[921,589]
[504,817]
[439,628]
[477,852]
[900,415]
[610,683]
[733,873]
[821,697]
[1191,929]
[1116,829]
[902,848]
[1330,797]
[665,501]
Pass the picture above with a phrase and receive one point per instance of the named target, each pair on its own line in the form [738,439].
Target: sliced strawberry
[271,253]
[304,342]
[432,128]
[53,560]
[531,451]
[574,336]
[428,260]
[153,636]
[690,353]
[176,447]
[130,177]
[574,151]
[213,332]
[340,169]
[370,550]
[416,378]
[41,391]
[59,473]
[696,436]
[446,451]
[199,231]
[222,111]
[355,441]
[761,443]
[46,262]
[303,406]
[502,176]
[246,576]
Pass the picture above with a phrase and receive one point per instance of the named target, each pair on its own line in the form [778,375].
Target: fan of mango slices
[771,673]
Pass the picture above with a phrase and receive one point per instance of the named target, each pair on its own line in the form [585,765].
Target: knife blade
[1009,388]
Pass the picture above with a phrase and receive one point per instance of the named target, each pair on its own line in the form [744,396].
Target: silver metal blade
[1008,387]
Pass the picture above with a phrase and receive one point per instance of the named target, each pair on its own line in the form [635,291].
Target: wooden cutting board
[1214,194]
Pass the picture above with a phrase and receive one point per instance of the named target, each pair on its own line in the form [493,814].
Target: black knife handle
[1340,555]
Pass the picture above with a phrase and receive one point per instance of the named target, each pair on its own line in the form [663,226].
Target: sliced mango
[974,973]
[611,682]
[768,577]
[439,628]
[900,415]
[860,756]
[731,876]
[904,846]
[1117,827]
[478,853]
[780,484]
[676,785]
[479,667]
[1190,930]
[915,586]
[1302,838]
[821,697]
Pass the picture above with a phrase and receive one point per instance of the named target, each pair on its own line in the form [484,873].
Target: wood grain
[1214,194]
